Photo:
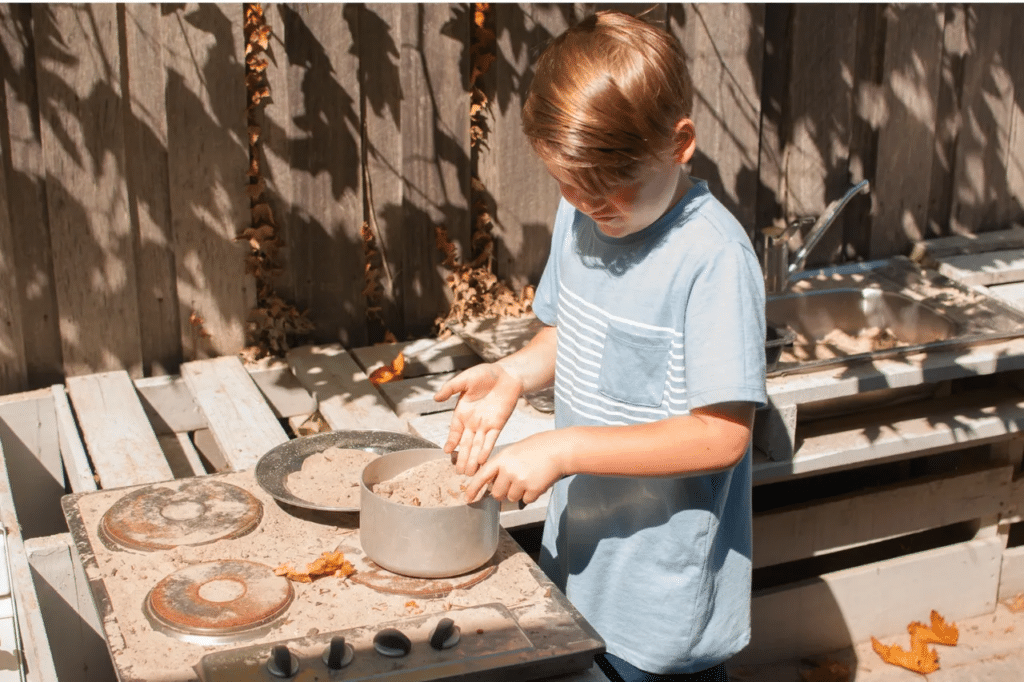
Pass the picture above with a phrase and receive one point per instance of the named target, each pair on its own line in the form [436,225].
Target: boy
[655,306]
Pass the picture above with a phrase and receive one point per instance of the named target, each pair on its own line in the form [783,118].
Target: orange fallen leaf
[387,373]
[940,632]
[328,563]
[920,659]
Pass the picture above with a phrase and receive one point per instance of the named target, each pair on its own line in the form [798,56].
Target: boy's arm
[709,439]
[488,396]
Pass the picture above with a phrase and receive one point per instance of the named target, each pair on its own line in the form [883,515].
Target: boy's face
[628,208]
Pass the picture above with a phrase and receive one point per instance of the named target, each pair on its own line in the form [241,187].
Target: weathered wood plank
[929,251]
[435,151]
[145,140]
[873,515]
[282,389]
[28,431]
[13,368]
[76,461]
[724,45]
[1011,575]
[382,93]
[26,180]
[35,643]
[976,417]
[982,198]
[344,394]
[206,446]
[121,443]
[837,609]
[207,157]
[68,610]
[992,267]
[913,50]
[521,197]
[416,396]
[242,423]
[524,422]
[181,454]
[82,121]
[324,152]
[423,356]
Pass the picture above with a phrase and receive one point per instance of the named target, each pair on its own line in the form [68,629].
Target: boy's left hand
[520,471]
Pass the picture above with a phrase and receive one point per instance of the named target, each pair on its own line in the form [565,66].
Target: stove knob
[392,643]
[446,634]
[282,663]
[338,654]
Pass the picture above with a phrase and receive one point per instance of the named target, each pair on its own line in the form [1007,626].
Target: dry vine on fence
[274,324]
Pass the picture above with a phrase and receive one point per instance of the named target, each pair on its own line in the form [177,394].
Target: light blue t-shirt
[652,325]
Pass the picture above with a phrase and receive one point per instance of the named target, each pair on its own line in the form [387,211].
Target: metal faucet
[778,269]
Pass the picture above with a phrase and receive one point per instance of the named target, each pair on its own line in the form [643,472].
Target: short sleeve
[724,330]
[545,300]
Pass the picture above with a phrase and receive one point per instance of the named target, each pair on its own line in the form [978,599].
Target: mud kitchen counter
[883,488]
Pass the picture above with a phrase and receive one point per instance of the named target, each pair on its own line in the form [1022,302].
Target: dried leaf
[919,659]
[328,563]
[1016,604]
[392,372]
[940,632]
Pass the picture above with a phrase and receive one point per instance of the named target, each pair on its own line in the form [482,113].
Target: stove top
[183,574]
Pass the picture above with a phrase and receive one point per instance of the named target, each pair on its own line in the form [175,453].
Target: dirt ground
[991,649]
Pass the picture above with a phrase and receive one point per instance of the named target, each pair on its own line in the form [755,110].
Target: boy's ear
[686,137]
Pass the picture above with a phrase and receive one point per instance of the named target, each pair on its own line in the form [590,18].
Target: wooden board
[321,225]
[913,48]
[724,46]
[423,356]
[68,610]
[982,197]
[207,157]
[29,433]
[344,394]
[26,180]
[13,370]
[181,455]
[930,250]
[145,141]
[1011,575]
[831,612]
[242,423]
[76,462]
[435,151]
[975,418]
[416,396]
[82,119]
[992,267]
[520,196]
[874,515]
[380,30]
[35,644]
[121,443]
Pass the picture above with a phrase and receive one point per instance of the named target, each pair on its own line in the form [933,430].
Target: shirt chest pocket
[634,367]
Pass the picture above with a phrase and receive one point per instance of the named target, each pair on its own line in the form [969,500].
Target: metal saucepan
[423,542]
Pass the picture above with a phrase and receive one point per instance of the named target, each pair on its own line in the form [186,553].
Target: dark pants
[617,670]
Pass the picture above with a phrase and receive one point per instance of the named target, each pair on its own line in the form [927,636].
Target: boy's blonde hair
[606,97]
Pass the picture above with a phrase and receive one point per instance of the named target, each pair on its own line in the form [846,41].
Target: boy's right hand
[488,397]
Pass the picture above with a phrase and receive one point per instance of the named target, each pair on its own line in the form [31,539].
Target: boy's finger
[451,387]
[465,446]
[477,483]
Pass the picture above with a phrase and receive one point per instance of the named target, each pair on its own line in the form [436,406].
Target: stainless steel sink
[815,315]
[882,309]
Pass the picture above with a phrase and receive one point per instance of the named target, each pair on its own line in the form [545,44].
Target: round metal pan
[273,468]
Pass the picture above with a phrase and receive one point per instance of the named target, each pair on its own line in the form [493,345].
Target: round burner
[218,602]
[371,575]
[177,513]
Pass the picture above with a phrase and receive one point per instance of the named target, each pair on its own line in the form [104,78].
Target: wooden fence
[124,151]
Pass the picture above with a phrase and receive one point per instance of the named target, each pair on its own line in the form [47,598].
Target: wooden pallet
[105,430]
